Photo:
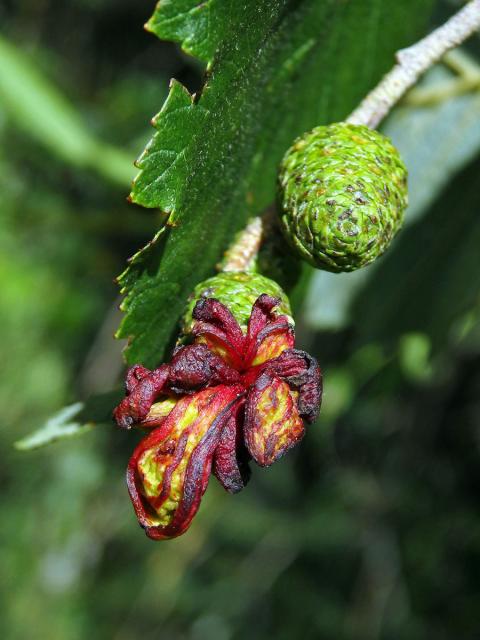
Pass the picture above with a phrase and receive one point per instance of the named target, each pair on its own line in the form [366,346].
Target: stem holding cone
[412,63]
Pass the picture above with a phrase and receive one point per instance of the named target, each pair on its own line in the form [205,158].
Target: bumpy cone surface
[343,192]
[237,291]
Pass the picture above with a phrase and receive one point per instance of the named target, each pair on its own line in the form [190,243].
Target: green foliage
[75,420]
[275,70]
[44,113]
[58,427]
[371,529]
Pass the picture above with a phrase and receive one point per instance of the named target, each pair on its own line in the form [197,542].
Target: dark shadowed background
[371,528]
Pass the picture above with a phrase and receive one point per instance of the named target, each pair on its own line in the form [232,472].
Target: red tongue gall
[223,400]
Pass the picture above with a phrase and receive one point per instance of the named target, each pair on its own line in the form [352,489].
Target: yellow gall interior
[272,347]
[277,414]
[192,415]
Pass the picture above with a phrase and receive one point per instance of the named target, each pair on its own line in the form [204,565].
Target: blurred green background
[371,528]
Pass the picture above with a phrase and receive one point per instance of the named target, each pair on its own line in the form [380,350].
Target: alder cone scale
[238,291]
[343,192]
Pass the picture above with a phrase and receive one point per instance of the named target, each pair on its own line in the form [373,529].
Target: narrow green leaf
[59,426]
[71,421]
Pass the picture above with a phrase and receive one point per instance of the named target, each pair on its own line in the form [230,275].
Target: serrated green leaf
[200,27]
[275,70]
[71,421]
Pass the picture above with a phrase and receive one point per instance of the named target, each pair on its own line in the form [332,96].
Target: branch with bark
[413,62]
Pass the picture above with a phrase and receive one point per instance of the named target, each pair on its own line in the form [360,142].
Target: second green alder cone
[343,192]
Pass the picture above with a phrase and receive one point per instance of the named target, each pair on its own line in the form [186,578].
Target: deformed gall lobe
[228,397]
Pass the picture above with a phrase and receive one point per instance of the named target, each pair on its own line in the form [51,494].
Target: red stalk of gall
[222,400]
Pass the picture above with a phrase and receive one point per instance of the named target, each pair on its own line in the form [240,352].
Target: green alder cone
[237,291]
[343,192]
